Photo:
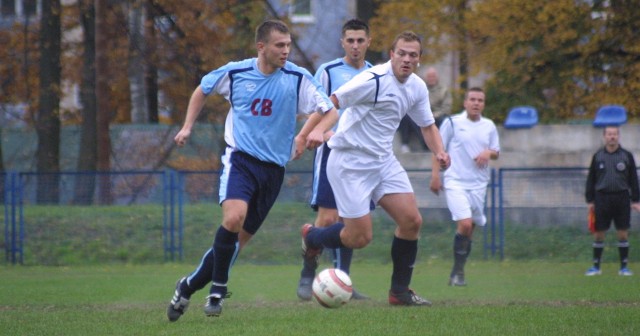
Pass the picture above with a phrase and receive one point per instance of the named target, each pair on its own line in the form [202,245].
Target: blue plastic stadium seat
[521,117]
[610,115]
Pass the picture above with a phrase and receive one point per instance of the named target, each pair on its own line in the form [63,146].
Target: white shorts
[465,204]
[358,179]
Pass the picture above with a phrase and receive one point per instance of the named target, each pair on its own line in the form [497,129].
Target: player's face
[355,44]
[404,58]
[474,104]
[275,51]
[611,136]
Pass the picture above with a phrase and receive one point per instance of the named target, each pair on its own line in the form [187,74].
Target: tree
[103,95]
[565,57]
[87,162]
[441,24]
[48,121]
[568,57]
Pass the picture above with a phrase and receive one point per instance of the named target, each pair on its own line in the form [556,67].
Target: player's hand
[314,140]
[182,137]
[635,206]
[300,143]
[327,135]
[443,160]
[482,160]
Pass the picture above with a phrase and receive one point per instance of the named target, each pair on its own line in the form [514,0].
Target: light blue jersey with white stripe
[262,118]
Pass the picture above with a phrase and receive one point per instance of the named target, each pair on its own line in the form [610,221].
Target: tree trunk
[2,171]
[87,158]
[48,119]
[103,109]
[151,70]
[137,64]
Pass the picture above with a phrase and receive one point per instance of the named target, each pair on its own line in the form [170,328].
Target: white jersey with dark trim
[334,74]
[374,102]
[464,140]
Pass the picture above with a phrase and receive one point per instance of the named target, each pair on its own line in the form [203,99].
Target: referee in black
[612,188]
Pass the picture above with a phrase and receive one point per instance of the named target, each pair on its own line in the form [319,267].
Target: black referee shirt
[612,172]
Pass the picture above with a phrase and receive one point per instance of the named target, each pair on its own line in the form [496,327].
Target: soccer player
[266,93]
[362,165]
[472,141]
[332,75]
[611,191]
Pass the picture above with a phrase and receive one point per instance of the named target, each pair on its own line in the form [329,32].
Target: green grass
[77,235]
[503,298]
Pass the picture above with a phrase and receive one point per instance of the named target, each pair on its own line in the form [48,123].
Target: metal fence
[153,204]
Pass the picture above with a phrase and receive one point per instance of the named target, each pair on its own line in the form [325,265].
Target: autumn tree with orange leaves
[565,57]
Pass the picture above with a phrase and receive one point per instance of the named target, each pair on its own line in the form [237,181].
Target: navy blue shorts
[256,182]
[322,193]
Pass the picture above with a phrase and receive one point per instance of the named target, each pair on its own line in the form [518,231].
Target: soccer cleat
[310,255]
[304,289]
[355,295]
[408,298]
[593,271]
[457,280]
[625,272]
[178,304]
[213,305]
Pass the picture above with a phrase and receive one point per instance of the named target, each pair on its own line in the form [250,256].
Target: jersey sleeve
[421,112]
[446,132]
[494,139]
[323,78]
[313,97]
[360,89]
[217,81]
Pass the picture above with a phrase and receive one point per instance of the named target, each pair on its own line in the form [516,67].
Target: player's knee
[358,241]
[233,222]
[411,226]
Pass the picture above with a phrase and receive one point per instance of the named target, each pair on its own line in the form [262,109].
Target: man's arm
[312,133]
[196,102]
[441,159]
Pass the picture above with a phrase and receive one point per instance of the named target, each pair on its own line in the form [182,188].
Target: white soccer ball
[332,288]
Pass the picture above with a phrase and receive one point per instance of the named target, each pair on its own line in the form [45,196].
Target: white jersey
[464,142]
[374,102]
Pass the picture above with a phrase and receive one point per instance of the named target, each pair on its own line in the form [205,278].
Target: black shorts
[614,207]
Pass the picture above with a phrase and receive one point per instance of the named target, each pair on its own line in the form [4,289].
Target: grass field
[503,298]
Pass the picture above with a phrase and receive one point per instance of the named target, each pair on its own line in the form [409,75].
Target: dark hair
[407,36]
[355,24]
[473,89]
[264,29]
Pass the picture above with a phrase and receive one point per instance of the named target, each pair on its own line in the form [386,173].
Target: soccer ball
[332,288]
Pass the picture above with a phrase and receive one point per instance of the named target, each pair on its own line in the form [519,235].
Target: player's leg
[198,279]
[622,222]
[404,248]
[460,207]
[325,217]
[249,188]
[395,195]
[323,202]
[603,223]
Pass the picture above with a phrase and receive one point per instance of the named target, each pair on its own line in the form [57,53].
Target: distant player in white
[472,141]
[355,41]
[266,94]
[362,165]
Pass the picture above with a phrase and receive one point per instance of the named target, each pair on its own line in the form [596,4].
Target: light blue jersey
[334,74]
[262,118]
